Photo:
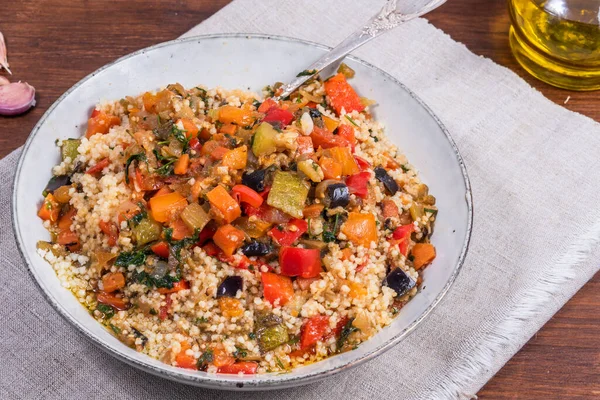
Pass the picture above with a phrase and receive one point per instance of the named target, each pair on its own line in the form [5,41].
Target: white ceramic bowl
[248,62]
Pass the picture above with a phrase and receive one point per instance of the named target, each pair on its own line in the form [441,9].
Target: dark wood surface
[52,44]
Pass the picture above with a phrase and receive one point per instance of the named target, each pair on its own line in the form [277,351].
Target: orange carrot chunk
[423,254]
[228,238]
[360,229]
[113,281]
[50,209]
[164,207]
[181,165]
[224,205]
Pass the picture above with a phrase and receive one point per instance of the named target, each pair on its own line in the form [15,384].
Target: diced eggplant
[57,181]
[337,195]
[255,180]
[389,183]
[230,286]
[314,113]
[398,281]
[256,248]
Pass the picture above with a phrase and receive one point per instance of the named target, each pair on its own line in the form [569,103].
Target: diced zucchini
[194,216]
[346,71]
[416,211]
[264,140]
[272,337]
[254,229]
[146,231]
[69,148]
[288,193]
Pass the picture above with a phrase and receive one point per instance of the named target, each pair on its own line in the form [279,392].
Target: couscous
[223,231]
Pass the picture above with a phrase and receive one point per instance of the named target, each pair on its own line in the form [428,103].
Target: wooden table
[52,44]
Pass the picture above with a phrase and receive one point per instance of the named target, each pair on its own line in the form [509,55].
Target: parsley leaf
[307,72]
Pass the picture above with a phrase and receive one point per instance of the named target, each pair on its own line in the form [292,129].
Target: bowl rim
[252,382]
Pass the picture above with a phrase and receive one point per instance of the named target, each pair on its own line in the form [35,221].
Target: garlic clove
[3,54]
[16,98]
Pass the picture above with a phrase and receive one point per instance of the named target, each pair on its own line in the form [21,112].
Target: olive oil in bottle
[558,41]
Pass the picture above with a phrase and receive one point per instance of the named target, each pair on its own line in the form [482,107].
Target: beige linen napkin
[535,175]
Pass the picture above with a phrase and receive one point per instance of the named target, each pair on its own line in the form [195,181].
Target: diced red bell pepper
[100,165]
[163,313]
[195,145]
[362,163]
[286,235]
[326,140]
[267,105]
[206,233]
[161,249]
[402,234]
[342,95]
[277,288]
[240,262]
[279,115]
[244,194]
[110,230]
[347,132]
[314,330]
[305,283]
[243,367]
[211,249]
[295,261]
[112,300]
[358,184]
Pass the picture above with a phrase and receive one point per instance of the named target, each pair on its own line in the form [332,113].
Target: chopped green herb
[181,136]
[201,320]
[153,311]
[206,358]
[430,210]
[404,168]
[240,352]
[146,279]
[351,120]
[347,330]
[307,72]
[105,309]
[128,258]
[115,329]
[135,157]
[279,363]
[252,335]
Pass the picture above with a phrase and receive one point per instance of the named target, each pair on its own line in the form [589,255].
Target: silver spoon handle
[387,19]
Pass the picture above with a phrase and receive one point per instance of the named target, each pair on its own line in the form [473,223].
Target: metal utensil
[391,15]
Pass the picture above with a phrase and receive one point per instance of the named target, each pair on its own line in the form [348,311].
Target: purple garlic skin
[16,98]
